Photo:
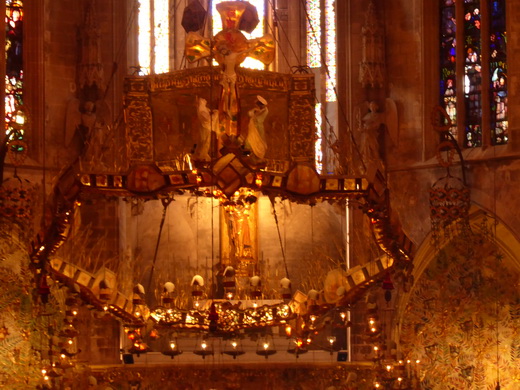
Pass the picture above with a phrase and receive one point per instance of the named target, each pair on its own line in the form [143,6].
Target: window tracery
[14,71]
[476,102]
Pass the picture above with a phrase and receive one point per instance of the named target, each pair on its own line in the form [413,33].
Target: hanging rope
[273,32]
[279,237]
[165,202]
[340,106]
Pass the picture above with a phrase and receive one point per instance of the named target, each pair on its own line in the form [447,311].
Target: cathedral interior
[263,194]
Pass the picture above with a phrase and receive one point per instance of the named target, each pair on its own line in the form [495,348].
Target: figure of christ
[228,105]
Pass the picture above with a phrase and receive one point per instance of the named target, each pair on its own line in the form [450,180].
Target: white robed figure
[255,140]
[208,123]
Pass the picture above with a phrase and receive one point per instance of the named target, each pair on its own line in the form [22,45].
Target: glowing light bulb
[203,345]
[44,371]
[417,361]
[20,119]
[172,345]
[46,378]
[376,348]
[400,379]
[62,356]
[105,308]
[70,341]
[266,346]
[313,318]
[388,367]
[229,295]
[234,344]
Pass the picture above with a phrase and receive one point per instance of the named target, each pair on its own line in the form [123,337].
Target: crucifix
[229,47]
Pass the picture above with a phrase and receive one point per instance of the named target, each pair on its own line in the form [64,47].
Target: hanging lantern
[193,16]
[449,207]
[105,291]
[332,341]
[388,286]
[297,347]
[173,348]
[265,346]
[233,348]
[138,347]
[203,348]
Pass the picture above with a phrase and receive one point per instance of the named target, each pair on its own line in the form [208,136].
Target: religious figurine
[208,123]
[88,114]
[255,140]
[371,126]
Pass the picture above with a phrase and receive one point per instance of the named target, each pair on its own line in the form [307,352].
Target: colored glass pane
[144,36]
[498,72]
[258,32]
[447,62]
[330,50]
[472,73]
[14,68]
[318,153]
[161,36]
[313,34]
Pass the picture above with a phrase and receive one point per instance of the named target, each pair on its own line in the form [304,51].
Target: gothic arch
[462,311]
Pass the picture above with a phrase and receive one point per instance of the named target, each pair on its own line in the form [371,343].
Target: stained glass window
[161,36]
[153,36]
[14,68]
[479,81]
[258,32]
[498,72]
[330,49]
[318,152]
[473,73]
[314,34]
[448,60]
[321,58]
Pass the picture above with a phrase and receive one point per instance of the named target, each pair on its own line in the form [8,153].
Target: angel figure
[372,126]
